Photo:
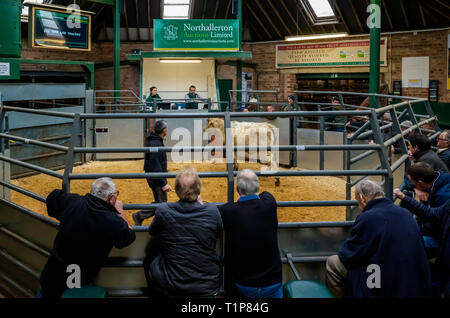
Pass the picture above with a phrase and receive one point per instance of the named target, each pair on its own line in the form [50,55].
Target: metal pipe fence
[229,149]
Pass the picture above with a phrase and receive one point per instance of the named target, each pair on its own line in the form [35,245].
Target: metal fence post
[322,141]
[431,114]
[388,180]
[348,184]
[296,122]
[229,156]
[70,154]
[412,117]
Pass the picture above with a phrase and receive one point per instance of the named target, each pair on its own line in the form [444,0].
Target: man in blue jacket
[432,188]
[441,217]
[384,255]
[155,162]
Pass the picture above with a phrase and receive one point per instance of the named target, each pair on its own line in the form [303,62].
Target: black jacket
[155,161]
[445,157]
[441,217]
[432,159]
[388,236]
[252,256]
[188,263]
[89,228]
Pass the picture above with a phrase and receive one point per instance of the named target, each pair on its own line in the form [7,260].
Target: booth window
[319,11]
[176,9]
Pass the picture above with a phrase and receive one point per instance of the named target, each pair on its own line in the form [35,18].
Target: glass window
[321,8]
[319,11]
[176,9]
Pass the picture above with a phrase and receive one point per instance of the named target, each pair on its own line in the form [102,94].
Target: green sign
[196,35]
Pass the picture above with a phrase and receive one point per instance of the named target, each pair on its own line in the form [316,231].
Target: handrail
[35,142]
[39,112]
[287,173]
[32,167]
[223,148]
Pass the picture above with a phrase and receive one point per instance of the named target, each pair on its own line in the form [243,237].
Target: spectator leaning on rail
[182,259]
[432,188]
[419,150]
[90,226]
[441,217]
[444,147]
[252,257]
[384,255]
[155,162]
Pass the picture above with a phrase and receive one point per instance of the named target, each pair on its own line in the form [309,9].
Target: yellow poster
[348,53]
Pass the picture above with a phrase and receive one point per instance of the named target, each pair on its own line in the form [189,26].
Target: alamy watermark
[74,279]
[374,19]
[374,279]
[74,21]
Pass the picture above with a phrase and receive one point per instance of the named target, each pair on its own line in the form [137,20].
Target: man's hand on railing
[399,194]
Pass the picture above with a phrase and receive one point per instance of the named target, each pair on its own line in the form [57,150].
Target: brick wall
[432,44]
[266,77]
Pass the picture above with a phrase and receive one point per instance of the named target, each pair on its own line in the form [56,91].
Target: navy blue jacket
[252,256]
[388,236]
[445,156]
[440,217]
[155,161]
[438,194]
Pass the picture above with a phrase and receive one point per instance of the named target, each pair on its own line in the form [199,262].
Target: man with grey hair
[182,259]
[444,147]
[90,226]
[384,256]
[252,257]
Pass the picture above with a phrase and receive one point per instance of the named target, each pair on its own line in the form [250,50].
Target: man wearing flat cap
[155,162]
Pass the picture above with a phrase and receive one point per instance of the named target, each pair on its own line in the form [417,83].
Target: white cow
[246,134]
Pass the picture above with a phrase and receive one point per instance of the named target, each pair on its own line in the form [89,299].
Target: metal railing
[385,169]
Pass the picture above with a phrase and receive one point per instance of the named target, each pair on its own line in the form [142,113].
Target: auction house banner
[196,35]
[335,54]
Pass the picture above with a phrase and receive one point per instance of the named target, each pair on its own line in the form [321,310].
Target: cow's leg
[277,181]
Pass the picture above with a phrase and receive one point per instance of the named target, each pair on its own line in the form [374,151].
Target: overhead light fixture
[316,36]
[180,61]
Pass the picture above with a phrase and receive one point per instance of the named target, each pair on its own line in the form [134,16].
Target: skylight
[319,11]
[176,9]
[321,8]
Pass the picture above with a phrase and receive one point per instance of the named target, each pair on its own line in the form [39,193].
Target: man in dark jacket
[444,147]
[252,257]
[384,255]
[441,217]
[182,259]
[431,188]
[155,162]
[90,226]
[419,149]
